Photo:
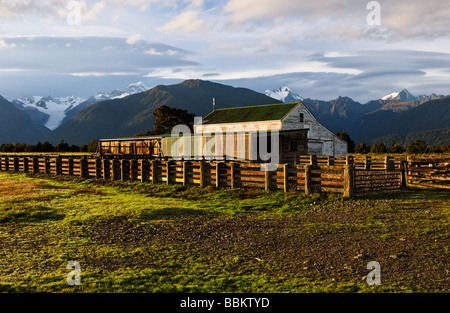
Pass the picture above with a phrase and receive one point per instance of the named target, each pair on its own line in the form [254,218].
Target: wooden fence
[428,169]
[343,175]
[319,175]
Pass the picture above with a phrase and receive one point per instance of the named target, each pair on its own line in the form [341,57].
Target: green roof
[267,112]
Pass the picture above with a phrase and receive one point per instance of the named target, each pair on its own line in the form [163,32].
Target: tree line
[415,147]
[48,147]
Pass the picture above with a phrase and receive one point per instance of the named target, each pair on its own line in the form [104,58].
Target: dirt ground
[331,244]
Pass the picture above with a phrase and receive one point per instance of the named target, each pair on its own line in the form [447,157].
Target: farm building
[245,146]
[284,116]
[137,146]
[256,133]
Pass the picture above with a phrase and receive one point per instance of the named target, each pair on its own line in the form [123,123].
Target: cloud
[45,9]
[154,51]
[187,22]
[133,39]
[333,19]
[87,56]
[4,45]
[100,74]
[91,14]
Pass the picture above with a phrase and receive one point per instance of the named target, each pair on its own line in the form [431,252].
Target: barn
[262,133]
[282,117]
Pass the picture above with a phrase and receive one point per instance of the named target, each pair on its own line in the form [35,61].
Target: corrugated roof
[267,112]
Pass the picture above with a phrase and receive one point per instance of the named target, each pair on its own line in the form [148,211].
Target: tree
[417,146]
[395,148]
[62,146]
[362,148]
[346,137]
[378,148]
[47,147]
[92,146]
[167,118]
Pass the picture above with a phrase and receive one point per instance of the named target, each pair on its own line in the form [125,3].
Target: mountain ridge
[132,114]
[128,114]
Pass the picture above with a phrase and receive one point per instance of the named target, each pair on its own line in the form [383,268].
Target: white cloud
[153,51]
[4,45]
[91,14]
[133,39]
[100,74]
[188,21]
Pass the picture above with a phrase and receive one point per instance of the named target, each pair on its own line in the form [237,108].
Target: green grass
[139,237]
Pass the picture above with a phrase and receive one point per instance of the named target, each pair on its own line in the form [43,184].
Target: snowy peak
[406,96]
[54,107]
[283,94]
[118,94]
[403,95]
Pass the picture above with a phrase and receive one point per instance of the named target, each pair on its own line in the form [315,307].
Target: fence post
[35,165]
[122,170]
[16,164]
[367,162]
[154,164]
[348,180]
[202,174]
[330,160]
[348,159]
[403,174]
[141,165]
[285,177]
[308,188]
[185,173]
[313,159]
[267,178]
[83,165]
[70,166]
[104,167]
[168,172]
[98,168]
[388,163]
[58,166]
[113,169]
[233,176]
[133,169]
[46,165]
[25,165]
[218,174]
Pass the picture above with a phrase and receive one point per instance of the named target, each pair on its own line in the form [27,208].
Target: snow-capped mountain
[117,93]
[51,111]
[403,95]
[54,107]
[283,94]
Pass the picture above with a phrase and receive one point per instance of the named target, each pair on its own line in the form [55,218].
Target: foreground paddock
[139,237]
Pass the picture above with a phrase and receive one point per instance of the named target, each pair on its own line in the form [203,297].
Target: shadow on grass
[33,214]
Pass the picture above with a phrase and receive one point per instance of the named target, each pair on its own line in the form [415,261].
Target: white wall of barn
[321,141]
[237,127]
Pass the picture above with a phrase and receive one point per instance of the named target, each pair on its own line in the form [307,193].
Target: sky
[320,49]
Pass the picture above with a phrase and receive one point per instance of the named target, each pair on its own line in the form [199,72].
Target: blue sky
[320,49]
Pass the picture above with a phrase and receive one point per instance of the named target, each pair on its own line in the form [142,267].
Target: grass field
[138,237]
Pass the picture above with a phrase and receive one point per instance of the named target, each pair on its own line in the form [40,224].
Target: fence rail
[342,175]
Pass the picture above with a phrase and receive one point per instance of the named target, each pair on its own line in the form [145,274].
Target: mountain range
[398,116]
[127,116]
[51,111]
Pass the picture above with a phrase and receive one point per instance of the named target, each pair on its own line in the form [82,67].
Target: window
[301,118]
[293,146]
